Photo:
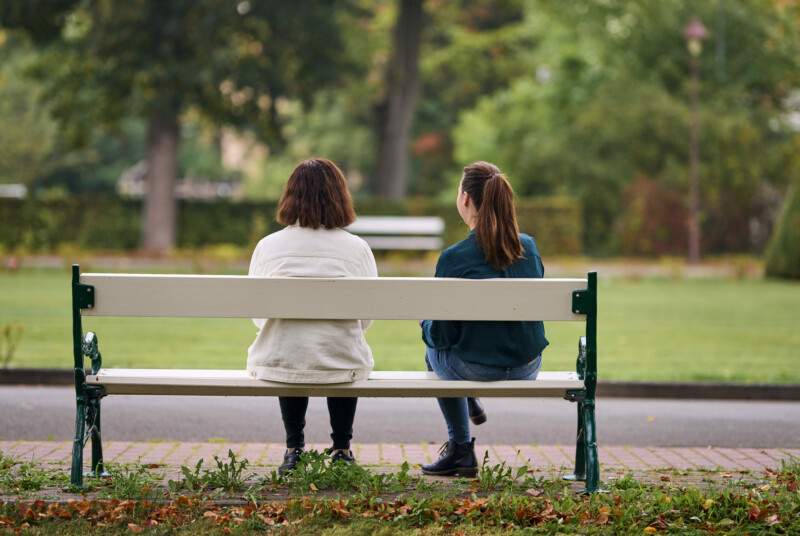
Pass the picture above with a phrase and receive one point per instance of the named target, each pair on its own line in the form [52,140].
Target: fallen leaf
[133,527]
[650,530]
[659,524]
[313,487]
[726,475]
[602,519]
[651,419]
[534,492]
[708,504]
[772,520]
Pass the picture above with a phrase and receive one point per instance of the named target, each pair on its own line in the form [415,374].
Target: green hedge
[110,223]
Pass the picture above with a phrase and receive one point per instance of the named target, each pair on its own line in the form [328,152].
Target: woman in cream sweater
[315,205]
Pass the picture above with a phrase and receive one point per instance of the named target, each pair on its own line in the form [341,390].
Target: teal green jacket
[498,344]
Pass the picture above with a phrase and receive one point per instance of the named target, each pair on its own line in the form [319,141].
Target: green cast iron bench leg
[87,397]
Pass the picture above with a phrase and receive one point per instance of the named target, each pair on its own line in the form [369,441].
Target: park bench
[419,233]
[201,296]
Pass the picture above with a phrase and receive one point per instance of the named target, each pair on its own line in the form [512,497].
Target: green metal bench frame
[88,397]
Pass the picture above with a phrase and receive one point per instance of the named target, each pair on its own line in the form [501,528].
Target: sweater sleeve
[441,334]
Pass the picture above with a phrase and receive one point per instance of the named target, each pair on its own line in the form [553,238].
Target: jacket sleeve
[255,271]
[441,334]
[370,270]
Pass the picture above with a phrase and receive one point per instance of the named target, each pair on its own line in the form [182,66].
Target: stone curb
[605,389]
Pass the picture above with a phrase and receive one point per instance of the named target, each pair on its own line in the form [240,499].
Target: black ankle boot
[457,459]
[290,460]
[476,413]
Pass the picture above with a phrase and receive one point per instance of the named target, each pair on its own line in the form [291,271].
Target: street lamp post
[694,33]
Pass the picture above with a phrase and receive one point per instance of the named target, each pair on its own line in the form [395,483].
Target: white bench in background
[202,296]
[421,233]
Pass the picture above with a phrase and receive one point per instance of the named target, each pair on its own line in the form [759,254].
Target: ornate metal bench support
[87,419]
[587,463]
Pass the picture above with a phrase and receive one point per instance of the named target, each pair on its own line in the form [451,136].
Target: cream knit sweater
[311,351]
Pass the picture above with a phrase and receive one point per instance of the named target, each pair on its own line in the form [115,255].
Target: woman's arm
[441,334]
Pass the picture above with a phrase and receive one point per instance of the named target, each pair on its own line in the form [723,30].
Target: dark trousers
[342,412]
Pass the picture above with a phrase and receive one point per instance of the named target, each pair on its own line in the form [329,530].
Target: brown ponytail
[496,222]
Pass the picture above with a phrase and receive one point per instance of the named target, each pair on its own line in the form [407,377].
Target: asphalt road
[38,413]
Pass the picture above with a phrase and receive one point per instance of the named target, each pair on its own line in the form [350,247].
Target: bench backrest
[400,232]
[331,298]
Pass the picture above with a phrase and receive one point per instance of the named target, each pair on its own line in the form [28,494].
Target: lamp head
[695,33]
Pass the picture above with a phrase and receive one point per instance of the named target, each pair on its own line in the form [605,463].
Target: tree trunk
[158,226]
[396,114]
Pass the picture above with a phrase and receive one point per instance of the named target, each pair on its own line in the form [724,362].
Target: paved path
[49,412]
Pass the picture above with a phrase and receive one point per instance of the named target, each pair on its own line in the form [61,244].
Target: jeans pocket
[527,372]
[477,373]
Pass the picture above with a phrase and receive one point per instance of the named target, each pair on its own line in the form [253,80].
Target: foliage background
[586,100]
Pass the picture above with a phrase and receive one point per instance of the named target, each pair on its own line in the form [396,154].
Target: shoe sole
[458,471]
[478,419]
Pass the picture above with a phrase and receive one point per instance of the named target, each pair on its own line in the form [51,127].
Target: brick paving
[654,463]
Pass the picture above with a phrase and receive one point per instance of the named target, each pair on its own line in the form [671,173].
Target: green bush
[783,252]
[110,223]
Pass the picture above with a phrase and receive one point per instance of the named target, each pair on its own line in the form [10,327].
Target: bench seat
[383,384]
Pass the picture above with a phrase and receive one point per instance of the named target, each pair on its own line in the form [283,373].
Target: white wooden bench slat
[210,296]
[384,384]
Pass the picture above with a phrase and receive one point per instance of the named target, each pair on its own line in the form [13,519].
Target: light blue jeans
[448,366]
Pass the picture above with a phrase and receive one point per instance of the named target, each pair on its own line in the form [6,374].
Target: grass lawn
[649,329]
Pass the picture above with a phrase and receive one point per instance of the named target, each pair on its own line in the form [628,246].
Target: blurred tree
[396,112]
[613,105]
[233,63]
[472,48]
[27,133]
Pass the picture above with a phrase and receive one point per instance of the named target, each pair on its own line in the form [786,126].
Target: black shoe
[476,413]
[457,459]
[344,455]
[290,460]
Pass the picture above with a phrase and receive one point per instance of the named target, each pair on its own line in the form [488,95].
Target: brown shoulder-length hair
[496,221]
[315,196]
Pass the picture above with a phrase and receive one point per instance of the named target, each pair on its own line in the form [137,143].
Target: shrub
[783,252]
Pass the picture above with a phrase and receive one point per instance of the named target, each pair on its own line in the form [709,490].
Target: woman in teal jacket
[482,351]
